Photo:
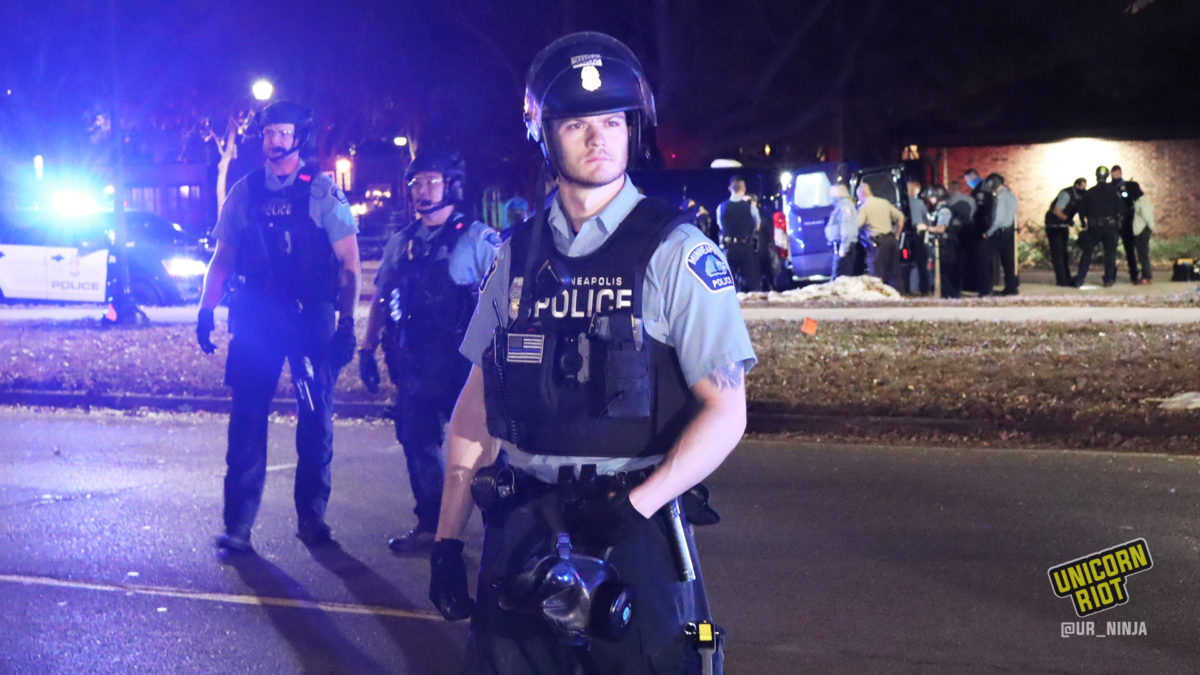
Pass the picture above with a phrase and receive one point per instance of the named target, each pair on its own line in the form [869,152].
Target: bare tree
[226,141]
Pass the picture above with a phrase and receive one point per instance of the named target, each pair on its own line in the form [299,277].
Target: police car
[48,256]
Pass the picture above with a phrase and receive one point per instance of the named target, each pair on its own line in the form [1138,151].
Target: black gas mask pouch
[581,597]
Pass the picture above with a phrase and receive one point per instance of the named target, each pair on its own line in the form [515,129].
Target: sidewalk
[1056,304]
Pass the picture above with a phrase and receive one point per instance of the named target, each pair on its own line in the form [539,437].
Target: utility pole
[122,310]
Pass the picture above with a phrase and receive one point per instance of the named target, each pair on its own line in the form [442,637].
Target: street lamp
[342,173]
[262,90]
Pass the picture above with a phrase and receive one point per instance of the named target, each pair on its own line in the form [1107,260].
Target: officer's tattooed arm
[705,443]
[729,377]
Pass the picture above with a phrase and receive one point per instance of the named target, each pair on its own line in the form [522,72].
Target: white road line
[228,598]
[281,467]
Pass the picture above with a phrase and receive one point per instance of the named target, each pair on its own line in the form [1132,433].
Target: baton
[683,552]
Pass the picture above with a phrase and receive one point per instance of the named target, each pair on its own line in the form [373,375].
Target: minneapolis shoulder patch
[706,264]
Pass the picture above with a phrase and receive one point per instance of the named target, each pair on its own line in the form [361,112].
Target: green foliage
[1167,250]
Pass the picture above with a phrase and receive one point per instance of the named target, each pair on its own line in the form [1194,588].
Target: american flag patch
[525,348]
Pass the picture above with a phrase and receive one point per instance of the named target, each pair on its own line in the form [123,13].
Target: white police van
[48,256]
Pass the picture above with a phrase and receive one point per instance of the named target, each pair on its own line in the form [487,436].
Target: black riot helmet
[585,74]
[935,194]
[453,171]
[289,112]
[1101,174]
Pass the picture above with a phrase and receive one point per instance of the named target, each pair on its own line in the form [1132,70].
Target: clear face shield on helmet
[586,74]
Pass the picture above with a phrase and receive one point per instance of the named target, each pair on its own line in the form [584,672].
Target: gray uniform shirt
[327,206]
[1005,210]
[469,261]
[918,211]
[679,308]
[842,226]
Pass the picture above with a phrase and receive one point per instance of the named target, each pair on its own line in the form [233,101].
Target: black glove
[368,370]
[608,520]
[448,580]
[341,348]
[204,329]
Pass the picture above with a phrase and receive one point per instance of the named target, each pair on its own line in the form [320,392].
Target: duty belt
[497,484]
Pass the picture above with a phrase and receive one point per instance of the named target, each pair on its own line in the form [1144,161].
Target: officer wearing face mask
[972,239]
[610,354]
[425,292]
[286,239]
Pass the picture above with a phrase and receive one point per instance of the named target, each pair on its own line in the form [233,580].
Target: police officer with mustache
[286,239]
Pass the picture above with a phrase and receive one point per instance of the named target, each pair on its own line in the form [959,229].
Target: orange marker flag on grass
[809,327]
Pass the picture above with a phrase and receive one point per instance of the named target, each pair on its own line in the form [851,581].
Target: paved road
[831,559]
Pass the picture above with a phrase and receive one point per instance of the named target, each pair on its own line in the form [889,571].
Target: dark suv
[48,256]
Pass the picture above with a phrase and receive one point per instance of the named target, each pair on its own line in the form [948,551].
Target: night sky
[730,78]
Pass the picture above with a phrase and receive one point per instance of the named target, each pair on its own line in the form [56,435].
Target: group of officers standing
[1109,209]
[964,235]
[576,381]
[960,235]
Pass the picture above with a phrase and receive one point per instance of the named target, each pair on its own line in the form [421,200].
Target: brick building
[1035,172]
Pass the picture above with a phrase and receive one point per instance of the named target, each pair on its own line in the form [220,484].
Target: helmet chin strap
[435,207]
[295,149]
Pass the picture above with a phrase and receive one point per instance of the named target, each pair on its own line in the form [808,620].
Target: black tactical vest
[423,303]
[282,253]
[984,201]
[574,373]
[737,221]
[1102,204]
[1072,207]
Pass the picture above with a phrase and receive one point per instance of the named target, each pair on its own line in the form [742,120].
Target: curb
[758,421]
[761,421]
[216,404]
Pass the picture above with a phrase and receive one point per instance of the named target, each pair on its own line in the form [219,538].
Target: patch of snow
[854,289]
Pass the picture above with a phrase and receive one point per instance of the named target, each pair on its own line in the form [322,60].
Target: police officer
[998,239]
[1059,219]
[882,224]
[286,239]
[841,231]
[610,356]
[952,211]
[973,247]
[425,292]
[1101,209]
[913,253]
[1128,240]
[738,222]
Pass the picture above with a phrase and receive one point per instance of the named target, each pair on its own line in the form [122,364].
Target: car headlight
[185,267]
